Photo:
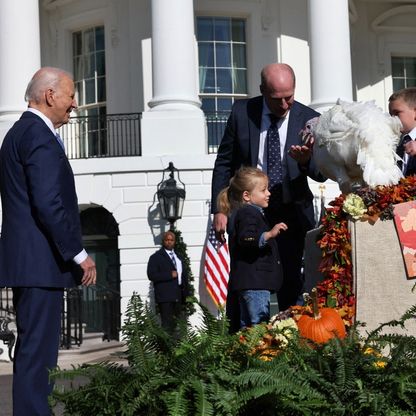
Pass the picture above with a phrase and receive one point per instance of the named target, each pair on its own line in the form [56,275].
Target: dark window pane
[89,66]
[222,30]
[208,104]
[223,54]
[411,82]
[239,56]
[78,68]
[238,30]
[77,43]
[89,41]
[90,91]
[100,57]
[99,38]
[397,67]
[224,81]
[205,28]
[207,80]
[398,84]
[206,54]
[101,92]
[224,104]
[240,81]
[410,68]
[79,93]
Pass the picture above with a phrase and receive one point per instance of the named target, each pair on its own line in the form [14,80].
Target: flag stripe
[216,268]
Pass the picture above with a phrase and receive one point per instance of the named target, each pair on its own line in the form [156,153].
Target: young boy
[403,105]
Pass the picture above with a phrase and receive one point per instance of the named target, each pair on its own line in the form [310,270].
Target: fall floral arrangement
[365,204]
[335,291]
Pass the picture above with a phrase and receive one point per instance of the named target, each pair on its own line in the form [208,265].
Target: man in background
[262,132]
[41,249]
[170,281]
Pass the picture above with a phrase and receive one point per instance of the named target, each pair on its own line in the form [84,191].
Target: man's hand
[90,272]
[220,225]
[174,274]
[302,154]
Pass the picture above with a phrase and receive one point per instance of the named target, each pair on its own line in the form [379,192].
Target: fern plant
[205,371]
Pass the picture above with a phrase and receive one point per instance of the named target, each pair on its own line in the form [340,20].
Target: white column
[20,56]
[330,52]
[175,123]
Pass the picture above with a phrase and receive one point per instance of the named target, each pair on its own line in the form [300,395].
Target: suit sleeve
[157,271]
[52,192]
[224,164]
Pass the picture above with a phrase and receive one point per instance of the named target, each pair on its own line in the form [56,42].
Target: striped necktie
[400,150]
[172,257]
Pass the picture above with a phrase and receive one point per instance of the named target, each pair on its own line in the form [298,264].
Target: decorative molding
[54,4]
[381,22]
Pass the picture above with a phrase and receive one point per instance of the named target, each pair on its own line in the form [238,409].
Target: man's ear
[246,196]
[49,98]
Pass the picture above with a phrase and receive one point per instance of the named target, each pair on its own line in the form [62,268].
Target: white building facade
[175,64]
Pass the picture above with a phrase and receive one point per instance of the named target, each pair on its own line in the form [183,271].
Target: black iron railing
[89,309]
[115,135]
[108,135]
[216,122]
[6,313]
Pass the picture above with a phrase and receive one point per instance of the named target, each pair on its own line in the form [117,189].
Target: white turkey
[355,145]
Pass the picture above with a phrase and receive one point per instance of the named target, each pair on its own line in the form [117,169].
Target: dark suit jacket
[240,146]
[41,231]
[159,271]
[253,267]
[411,162]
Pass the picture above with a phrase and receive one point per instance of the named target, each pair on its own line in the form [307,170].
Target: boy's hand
[275,231]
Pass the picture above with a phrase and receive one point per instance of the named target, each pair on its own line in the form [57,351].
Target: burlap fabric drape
[383,292]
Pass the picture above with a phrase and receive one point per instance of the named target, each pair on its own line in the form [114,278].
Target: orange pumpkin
[325,323]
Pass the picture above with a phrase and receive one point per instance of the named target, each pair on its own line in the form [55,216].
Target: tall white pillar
[175,123]
[330,52]
[20,56]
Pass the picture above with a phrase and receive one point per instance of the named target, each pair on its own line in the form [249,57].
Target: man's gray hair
[44,79]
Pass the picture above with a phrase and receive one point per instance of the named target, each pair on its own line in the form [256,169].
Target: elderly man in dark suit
[170,281]
[41,249]
[263,131]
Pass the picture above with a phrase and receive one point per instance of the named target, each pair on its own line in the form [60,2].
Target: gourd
[325,323]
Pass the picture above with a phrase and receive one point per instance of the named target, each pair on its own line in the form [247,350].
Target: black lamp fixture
[170,196]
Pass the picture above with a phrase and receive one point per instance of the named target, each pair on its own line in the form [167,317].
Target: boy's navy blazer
[159,271]
[41,231]
[253,267]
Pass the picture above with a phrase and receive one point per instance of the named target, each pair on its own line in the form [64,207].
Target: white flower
[286,328]
[354,206]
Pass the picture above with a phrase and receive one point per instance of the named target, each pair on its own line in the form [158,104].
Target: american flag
[216,268]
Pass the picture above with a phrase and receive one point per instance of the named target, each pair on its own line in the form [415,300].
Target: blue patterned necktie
[274,158]
[60,141]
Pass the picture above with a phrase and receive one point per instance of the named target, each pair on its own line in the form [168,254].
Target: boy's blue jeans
[254,307]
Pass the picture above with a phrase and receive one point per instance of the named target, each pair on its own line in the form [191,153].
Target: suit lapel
[292,137]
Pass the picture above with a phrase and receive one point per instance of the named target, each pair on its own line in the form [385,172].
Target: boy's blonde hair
[408,95]
[245,179]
